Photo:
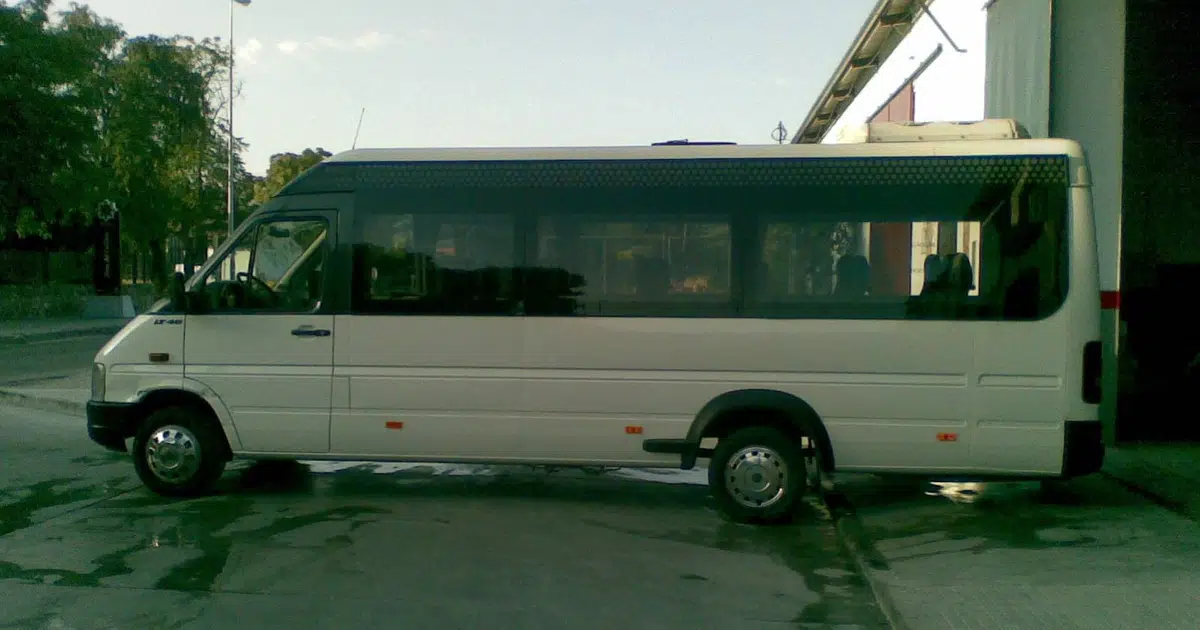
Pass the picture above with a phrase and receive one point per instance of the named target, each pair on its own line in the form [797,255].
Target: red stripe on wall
[1110,300]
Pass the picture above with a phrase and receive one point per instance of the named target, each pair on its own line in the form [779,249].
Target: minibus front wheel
[177,453]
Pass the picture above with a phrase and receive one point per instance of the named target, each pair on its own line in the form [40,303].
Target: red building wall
[900,108]
[891,243]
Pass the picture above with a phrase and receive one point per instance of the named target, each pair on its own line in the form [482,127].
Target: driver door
[264,345]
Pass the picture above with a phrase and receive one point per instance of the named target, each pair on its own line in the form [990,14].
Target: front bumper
[110,424]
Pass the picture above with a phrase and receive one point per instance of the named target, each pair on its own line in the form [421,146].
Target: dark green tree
[284,168]
[51,97]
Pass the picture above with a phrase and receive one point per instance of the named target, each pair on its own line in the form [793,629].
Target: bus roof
[684,152]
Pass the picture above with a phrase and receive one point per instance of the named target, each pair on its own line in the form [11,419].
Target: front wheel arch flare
[720,415]
[164,398]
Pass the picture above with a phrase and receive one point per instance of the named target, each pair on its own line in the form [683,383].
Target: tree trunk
[158,267]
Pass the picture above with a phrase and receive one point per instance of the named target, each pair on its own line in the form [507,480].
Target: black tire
[196,439]
[764,451]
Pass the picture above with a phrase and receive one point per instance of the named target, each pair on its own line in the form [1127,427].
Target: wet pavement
[1083,554]
[83,545]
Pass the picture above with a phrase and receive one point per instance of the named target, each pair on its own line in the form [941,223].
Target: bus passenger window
[925,239]
[435,264]
[639,264]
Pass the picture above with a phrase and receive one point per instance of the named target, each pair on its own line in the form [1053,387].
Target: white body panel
[611,371]
[276,386]
[894,395]
[450,380]
[131,374]
[557,389]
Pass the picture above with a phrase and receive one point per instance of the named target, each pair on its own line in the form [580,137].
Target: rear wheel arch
[760,407]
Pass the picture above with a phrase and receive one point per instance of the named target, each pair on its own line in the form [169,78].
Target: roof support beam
[933,18]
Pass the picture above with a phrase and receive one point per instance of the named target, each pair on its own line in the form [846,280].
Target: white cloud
[248,53]
[328,42]
[367,41]
[373,39]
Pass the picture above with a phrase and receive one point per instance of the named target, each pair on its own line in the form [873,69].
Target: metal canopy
[884,29]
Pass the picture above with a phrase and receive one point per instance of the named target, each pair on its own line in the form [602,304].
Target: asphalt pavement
[30,361]
[83,545]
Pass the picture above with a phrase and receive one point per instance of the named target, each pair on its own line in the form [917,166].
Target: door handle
[310,332]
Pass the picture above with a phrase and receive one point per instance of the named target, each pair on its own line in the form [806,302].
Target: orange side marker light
[393,424]
[947,437]
[633,430]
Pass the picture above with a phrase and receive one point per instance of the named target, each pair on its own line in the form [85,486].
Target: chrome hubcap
[755,477]
[173,454]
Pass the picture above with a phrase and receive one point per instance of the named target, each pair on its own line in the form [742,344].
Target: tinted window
[929,237]
[643,264]
[915,251]
[435,264]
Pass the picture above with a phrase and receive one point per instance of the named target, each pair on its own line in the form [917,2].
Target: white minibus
[922,301]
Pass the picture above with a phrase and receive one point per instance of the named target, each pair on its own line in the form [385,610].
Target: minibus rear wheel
[757,475]
[177,452]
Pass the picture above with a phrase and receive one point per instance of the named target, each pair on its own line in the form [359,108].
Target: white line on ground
[664,475]
[77,338]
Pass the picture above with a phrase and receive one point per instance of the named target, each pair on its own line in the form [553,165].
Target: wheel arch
[748,407]
[154,400]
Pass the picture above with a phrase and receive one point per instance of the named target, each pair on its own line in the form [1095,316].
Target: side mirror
[178,295]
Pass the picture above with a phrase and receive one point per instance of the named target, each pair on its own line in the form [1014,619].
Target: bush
[42,301]
[48,301]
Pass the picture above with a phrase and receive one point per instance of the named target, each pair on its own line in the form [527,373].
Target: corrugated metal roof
[884,29]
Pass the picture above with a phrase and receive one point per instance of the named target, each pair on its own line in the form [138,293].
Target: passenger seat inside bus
[949,279]
[853,277]
[936,269]
[960,279]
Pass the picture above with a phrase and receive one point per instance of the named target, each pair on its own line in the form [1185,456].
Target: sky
[486,73]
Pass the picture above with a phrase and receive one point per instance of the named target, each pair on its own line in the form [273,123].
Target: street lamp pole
[229,184]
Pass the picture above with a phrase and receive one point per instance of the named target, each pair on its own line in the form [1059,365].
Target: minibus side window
[431,263]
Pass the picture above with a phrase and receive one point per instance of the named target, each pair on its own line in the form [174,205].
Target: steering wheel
[248,279]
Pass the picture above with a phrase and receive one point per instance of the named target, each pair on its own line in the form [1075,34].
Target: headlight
[98,374]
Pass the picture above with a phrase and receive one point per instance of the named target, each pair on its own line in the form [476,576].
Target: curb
[21,338]
[42,404]
[867,561]
[1155,497]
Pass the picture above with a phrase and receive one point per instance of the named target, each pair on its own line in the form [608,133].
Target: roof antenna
[779,133]
[358,129]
